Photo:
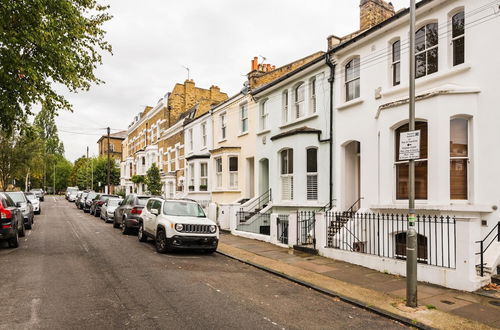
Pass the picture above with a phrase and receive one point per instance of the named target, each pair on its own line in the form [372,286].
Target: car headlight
[179,227]
[212,228]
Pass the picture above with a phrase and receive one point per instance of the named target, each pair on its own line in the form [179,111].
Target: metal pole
[109,181]
[54,181]
[411,235]
[87,167]
[92,173]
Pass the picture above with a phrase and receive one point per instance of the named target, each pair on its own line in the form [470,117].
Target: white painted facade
[365,127]
[293,118]
[198,142]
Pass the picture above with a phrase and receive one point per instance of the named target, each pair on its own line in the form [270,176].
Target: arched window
[299,100]
[352,84]
[396,63]
[458,38]
[312,173]
[459,158]
[426,50]
[286,157]
[420,165]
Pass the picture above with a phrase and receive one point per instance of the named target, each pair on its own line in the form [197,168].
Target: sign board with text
[409,145]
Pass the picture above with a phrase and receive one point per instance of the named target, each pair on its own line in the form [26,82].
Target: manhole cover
[495,303]
[447,302]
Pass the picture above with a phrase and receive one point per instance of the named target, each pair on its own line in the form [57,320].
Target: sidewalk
[439,307]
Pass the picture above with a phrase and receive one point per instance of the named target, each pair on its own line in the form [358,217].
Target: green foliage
[89,172]
[153,180]
[137,179]
[59,169]
[46,44]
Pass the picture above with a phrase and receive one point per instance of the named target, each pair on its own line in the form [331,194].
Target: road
[73,271]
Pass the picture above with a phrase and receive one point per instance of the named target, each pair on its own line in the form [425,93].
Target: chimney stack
[373,12]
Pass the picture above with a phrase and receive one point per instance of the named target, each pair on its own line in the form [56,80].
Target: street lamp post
[411,234]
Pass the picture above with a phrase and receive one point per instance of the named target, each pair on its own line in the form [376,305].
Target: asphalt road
[72,271]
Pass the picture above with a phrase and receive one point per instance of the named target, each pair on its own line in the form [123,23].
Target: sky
[153,40]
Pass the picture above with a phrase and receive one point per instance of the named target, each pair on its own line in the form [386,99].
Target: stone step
[495,279]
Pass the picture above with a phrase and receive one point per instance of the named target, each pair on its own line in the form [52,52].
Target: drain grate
[447,302]
[495,302]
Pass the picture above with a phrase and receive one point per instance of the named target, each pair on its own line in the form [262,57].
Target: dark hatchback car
[11,221]
[88,201]
[128,213]
[98,201]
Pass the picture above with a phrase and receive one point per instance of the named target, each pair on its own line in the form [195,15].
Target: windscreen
[183,209]
[30,196]
[17,197]
[91,195]
[113,202]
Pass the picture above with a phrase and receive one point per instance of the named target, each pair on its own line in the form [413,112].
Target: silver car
[25,206]
[108,209]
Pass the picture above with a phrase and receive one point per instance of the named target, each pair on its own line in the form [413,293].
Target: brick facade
[373,12]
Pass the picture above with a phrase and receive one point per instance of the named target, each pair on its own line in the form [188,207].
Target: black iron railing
[306,228]
[384,235]
[484,244]
[259,203]
[282,228]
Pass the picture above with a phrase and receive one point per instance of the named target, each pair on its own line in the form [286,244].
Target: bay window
[203,176]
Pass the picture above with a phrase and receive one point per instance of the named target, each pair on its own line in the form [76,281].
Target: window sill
[204,148]
[428,79]
[350,103]
[243,134]
[263,132]
[299,120]
[452,207]
[221,141]
[221,191]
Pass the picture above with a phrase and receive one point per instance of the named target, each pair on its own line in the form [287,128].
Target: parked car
[177,224]
[11,221]
[72,196]
[88,201]
[127,214]
[108,209]
[38,193]
[81,200]
[70,190]
[78,195]
[35,202]
[25,206]
[97,203]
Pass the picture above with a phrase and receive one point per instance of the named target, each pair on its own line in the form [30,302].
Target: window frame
[285,100]
[426,50]
[191,173]
[420,160]
[244,118]
[204,133]
[263,115]
[203,177]
[354,79]
[312,174]
[396,63]
[299,104]
[312,95]
[218,171]
[190,136]
[286,171]
[223,128]
[458,37]
[466,158]
[233,174]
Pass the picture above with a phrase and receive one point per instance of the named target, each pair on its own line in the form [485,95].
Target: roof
[377,27]
[295,131]
[117,136]
[288,75]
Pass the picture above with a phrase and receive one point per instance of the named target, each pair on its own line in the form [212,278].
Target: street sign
[409,145]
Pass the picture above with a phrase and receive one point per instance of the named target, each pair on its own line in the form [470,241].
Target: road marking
[35,302]
[212,287]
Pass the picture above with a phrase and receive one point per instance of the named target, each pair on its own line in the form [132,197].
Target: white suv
[177,224]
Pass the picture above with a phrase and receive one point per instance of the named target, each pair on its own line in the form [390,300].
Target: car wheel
[14,241]
[23,232]
[141,235]
[30,224]
[96,214]
[115,224]
[125,229]
[161,242]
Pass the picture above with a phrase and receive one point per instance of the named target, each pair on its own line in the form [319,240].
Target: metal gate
[306,228]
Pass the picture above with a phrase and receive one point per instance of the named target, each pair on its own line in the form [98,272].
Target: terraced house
[156,136]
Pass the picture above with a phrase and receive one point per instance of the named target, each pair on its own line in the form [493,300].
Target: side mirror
[155,211]
[120,203]
[18,204]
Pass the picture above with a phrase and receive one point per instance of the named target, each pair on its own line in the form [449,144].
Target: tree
[45,44]
[153,180]
[58,173]
[45,126]
[89,172]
